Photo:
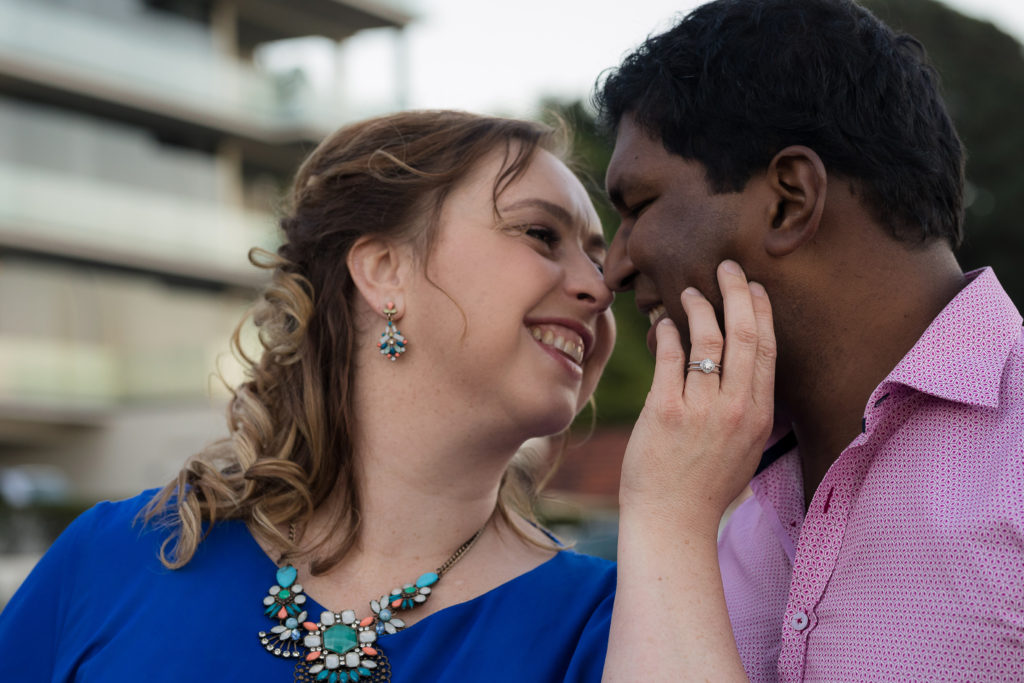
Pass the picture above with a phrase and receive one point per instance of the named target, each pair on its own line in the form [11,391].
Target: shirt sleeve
[32,623]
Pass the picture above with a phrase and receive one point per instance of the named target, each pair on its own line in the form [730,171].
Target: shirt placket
[821,538]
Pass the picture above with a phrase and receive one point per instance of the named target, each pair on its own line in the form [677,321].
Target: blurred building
[581,500]
[142,151]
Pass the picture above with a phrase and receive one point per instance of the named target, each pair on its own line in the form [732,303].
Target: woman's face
[537,330]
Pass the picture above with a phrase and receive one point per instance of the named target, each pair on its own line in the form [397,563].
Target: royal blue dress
[100,608]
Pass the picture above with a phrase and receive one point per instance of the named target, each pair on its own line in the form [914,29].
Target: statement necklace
[341,648]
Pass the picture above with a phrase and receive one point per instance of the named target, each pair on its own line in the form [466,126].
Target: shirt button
[798,621]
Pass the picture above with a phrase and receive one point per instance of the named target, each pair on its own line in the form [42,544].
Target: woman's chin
[554,422]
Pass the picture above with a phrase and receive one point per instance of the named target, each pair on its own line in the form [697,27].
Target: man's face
[674,231]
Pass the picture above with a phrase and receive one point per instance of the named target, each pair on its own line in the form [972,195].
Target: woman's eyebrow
[597,241]
[557,211]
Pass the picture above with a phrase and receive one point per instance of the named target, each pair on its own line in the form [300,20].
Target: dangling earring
[392,343]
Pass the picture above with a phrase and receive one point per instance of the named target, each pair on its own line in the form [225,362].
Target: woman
[367,519]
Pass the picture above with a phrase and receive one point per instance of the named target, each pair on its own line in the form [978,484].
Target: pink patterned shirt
[909,562]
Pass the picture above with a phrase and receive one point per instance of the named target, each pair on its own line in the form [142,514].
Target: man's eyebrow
[619,186]
[628,183]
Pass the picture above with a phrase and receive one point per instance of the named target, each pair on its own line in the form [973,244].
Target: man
[806,141]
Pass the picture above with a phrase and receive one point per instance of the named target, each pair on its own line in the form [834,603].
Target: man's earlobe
[797,177]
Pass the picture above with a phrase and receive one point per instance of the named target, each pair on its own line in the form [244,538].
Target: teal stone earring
[392,344]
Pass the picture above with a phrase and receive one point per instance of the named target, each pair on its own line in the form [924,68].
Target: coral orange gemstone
[312,655]
[283,613]
[396,603]
[369,651]
[310,626]
[366,622]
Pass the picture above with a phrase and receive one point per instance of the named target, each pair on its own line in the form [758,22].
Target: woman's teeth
[655,313]
[570,348]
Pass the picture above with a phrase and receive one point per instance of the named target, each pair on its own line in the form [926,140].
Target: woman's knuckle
[746,335]
[709,343]
[735,414]
[671,356]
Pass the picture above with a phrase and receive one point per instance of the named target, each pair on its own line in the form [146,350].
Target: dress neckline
[314,607]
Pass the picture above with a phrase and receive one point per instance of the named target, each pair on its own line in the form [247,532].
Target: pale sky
[502,57]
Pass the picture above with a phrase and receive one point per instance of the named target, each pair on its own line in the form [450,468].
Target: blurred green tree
[982,71]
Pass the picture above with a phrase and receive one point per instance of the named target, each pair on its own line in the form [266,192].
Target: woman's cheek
[604,343]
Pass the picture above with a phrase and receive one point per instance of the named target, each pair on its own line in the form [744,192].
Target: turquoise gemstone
[323,675]
[286,576]
[363,671]
[334,677]
[428,579]
[284,595]
[340,639]
[353,675]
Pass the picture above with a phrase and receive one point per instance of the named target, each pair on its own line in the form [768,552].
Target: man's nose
[619,271]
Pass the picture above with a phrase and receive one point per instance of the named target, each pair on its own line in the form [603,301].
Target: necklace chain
[459,552]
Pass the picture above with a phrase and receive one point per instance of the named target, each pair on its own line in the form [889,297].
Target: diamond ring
[707,366]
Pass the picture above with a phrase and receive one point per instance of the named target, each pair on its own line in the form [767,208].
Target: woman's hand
[699,438]
[696,445]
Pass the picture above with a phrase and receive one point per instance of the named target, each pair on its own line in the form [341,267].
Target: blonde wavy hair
[291,425]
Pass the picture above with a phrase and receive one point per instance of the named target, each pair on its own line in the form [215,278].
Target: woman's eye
[544,234]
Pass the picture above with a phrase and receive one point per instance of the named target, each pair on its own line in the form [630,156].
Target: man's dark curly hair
[736,81]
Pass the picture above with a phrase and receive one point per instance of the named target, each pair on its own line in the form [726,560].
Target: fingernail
[757,289]
[692,291]
[732,267]
[665,321]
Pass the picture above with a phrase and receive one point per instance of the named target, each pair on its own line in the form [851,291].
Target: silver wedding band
[707,366]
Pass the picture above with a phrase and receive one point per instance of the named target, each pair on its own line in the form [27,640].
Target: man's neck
[862,337]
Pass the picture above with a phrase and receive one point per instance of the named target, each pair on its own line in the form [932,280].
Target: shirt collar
[960,357]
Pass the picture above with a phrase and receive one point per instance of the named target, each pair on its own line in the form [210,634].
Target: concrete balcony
[81,218]
[161,73]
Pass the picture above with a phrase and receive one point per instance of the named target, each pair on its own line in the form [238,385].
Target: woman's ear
[380,270]
[796,176]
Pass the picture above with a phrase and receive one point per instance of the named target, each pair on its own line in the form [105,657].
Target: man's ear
[796,176]
[380,270]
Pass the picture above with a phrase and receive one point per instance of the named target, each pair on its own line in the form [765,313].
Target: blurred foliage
[982,70]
